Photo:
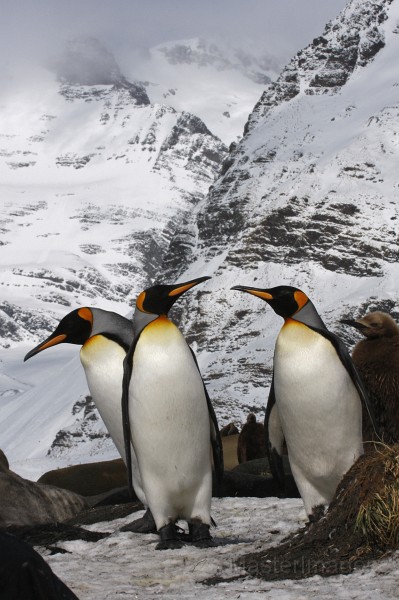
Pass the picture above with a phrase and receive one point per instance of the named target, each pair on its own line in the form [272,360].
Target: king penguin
[172,424]
[314,402]
[105,338]
[377,360]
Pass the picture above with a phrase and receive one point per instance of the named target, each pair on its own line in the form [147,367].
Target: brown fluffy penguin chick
[251,441]
[377,359]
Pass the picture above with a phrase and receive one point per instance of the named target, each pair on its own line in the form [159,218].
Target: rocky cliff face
[349,41]
[307,198]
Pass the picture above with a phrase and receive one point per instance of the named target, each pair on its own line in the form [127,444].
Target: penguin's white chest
[309,375]
[102,360]
[168,408]
[319,408]
[305,367]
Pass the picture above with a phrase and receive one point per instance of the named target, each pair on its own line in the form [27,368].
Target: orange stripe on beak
[183,288]
[255,292]
[263,295]
[57,340]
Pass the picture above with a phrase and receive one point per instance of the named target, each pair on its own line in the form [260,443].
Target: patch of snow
[126,565]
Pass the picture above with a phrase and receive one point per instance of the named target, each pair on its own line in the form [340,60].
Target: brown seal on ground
[89,479]
[27,503]
[24,502]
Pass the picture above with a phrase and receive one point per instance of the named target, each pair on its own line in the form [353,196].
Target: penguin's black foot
[145,524]
[169,538]
[200,536]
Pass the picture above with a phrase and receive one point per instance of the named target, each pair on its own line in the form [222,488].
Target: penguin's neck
[141,320]
[112,326]
[309,316]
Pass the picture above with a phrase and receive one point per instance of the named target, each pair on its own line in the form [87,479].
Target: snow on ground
[126,565]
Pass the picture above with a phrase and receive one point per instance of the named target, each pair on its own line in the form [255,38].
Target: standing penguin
[377,360]
[105,338]
[171,420]
[314,401]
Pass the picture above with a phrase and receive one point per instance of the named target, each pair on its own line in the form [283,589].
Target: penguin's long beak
[52,340]
[180,288]
[264,294]
[159,299]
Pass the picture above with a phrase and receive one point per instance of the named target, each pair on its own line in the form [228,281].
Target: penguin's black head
[159,299]
[74,328]
[284,299]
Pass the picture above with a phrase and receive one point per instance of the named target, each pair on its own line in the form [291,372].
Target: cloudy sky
[36,28]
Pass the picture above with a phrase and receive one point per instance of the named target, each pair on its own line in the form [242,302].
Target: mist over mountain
[219,82]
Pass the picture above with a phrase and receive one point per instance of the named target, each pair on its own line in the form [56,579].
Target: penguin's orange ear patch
[86,314]
[140,302]
[300,298]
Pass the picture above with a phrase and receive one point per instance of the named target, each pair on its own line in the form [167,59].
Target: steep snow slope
[308,198]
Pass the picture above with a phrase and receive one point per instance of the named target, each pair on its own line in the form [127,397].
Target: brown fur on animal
[89,479]
[251,441]
[29,503]
[229,429]
[24,502]
[377,360]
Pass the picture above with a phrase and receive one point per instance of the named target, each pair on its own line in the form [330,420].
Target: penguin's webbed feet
[145,524]
[169,539]
[200,536]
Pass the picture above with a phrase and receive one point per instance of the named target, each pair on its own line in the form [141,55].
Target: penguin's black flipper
[127,436]
[349,365]
[274,438]
[216,440]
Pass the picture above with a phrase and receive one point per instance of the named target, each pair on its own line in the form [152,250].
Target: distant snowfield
[126,565]
[208,80]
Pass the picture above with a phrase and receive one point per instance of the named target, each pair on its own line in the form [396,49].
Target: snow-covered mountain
[308,197]
[219,83]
